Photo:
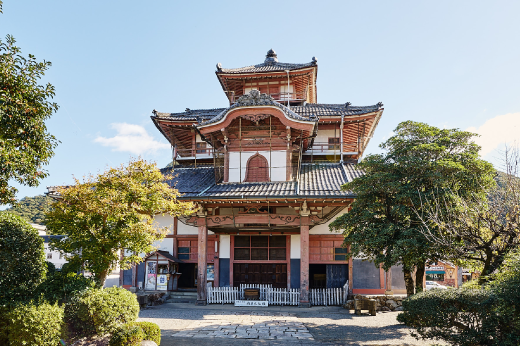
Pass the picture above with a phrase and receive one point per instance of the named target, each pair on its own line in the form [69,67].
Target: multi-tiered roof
[290,91]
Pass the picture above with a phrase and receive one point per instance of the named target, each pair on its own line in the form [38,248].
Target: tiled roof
[266,67]
[285,188]
[198,115]
[323,109]
[317,179]
[191,181]
[270,64]
[47,238]
[308,112]
[323,179]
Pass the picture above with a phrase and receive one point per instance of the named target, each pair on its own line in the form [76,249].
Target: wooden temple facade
[266,172]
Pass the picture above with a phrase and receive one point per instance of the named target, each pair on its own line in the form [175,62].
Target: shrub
[51,268]
[127,335]
[22,259]
[4,324]
[506,287]
[486,316]
[151,331]
[35,324]
[61,286]
[101,311]
[458,316]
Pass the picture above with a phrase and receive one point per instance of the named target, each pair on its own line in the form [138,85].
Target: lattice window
[340,254]
[333,143]
[267,248]
[257,169]
[201,148]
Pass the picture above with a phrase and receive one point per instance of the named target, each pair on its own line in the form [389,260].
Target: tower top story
[287,83]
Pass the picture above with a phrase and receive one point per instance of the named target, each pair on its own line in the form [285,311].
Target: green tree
[419,161]
[25,144]
[22,259]
[113,211]
[32,209]
[485,230]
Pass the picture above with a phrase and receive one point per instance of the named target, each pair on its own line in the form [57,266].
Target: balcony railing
[329,148]
[281,97]
[197,153]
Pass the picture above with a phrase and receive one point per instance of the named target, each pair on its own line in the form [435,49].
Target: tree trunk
[419,277]
[408,281]
[101,278]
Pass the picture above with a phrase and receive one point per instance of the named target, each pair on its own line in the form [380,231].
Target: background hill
[32,208]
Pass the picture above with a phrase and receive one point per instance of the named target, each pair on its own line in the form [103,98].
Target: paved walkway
[186,324]
[264,325]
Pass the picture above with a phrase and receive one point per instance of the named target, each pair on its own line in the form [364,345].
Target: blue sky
[450,64]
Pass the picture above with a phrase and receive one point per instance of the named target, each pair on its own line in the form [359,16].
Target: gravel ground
[328,325]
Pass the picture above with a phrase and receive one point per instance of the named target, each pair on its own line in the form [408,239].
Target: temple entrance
[189,275]
[318,275]
[260,273]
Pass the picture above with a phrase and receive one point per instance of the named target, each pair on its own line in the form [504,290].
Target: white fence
[263,290]
[283,296]
[279,296]
[223,295]
[329,296]
[274,296]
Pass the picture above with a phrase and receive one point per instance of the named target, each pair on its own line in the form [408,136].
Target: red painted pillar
[202,261]
[304,262]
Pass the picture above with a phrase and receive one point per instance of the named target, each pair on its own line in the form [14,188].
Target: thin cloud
[496,131]
[131,138]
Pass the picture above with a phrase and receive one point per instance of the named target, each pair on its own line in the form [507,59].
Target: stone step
[188,300]
[183,294]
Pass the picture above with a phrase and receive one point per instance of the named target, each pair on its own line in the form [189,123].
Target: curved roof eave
[255,99]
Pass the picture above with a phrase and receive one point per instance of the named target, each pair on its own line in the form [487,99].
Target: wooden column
[175,241]
[389,282]
[202,259]
[350,274]
[304,262]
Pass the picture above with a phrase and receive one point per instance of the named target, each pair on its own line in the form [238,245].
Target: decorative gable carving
[255,98]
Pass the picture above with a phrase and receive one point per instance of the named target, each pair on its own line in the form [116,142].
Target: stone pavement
[263,325]
[215,324]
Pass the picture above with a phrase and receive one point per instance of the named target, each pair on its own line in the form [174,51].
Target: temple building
[266,172]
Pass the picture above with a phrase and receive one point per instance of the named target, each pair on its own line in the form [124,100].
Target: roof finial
[271,56]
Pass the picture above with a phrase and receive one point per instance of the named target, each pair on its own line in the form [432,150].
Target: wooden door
[260,273]
[337,275]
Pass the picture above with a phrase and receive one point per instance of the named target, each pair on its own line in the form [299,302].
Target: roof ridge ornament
[219,67]
[271,57]
[254,98]
[314,60]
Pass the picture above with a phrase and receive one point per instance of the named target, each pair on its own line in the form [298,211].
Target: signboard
[162,282]
[210,272]
[251,303]
[150,282]
[435,268]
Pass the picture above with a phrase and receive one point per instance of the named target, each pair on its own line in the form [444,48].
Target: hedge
[62,286]
[22,259]
[101,311]
[450,315]
[35,324]
[151,331]
[127,335]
